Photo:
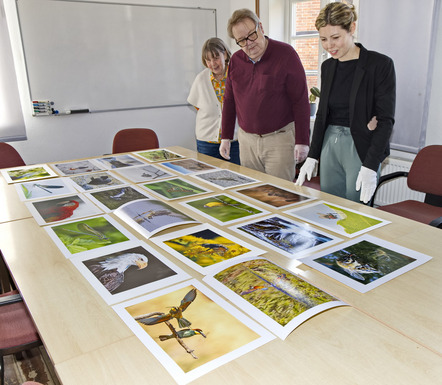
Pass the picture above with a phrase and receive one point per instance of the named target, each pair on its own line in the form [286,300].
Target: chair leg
[2,371]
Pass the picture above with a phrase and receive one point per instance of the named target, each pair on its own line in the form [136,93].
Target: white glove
[224,148]
[301,152]
[308,169]
[366,182]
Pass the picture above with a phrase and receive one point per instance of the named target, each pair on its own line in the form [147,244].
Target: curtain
[12,125]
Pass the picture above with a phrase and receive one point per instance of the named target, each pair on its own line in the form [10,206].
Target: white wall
[75,136]
[434,126]
[55,138]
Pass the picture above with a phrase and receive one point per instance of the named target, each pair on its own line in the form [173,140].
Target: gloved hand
[224,148]
[301,152]
[366,182]
[308,169]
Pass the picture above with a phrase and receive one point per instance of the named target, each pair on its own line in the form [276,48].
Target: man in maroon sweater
[266,90]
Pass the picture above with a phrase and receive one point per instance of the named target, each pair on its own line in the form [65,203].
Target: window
[304,37]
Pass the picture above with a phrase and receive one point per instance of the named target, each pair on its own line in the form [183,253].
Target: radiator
[396,190]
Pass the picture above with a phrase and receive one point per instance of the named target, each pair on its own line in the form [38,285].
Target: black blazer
[373,93]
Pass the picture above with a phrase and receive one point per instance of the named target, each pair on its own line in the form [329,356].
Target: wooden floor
[32,365]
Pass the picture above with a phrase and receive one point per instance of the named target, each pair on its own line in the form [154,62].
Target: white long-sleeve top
[208,116]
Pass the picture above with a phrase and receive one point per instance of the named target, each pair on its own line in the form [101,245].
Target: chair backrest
[134,139]
[426,171]
[9,157]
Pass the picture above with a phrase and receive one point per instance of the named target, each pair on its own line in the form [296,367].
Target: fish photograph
[158,155]
[145,173]
[62,209]
[223,209]
[96,181]
[188,166]
[118,161]
[274,296]
[193,327]
[45,189]
[366,262]
[87,234]
[224,179]
[174,188]
[285,236]
[111,199]
[77,167]
[27,173]
[336,218]
[274,196]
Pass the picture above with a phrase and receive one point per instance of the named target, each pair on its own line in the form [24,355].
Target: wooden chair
[134,139]
[17,330]
[425,176]
[9,156]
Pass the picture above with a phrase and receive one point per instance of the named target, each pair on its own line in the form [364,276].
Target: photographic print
[289,238]
[158,155]
[77,167]
[83,236]
[274,196]
[62,209]
[96,181]
[44,188]
[273,296]
[223,209]
[204,246]
[174,188]
[133,270]
[366,262]
[224,179]
[110,199]
[118,161]
[188,166]
[151,216]
[145,173]
[27,173]
[190,329]
[339,219]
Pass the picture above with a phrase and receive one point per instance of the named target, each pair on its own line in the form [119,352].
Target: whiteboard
[109,56]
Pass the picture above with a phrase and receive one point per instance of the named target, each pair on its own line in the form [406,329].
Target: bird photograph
[213,332]
[111,271]
[174,312]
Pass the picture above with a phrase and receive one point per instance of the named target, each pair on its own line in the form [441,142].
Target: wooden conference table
[390,335]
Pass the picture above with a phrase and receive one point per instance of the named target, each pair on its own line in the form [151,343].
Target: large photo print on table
[339,219]
[110,199]
[275,297]
[274,196]
[191,330]
[149,216]
[224,209]
[285,236]
[27,173]
[366,262]
[61,209]
[83,236]
[133,270]
[203,247]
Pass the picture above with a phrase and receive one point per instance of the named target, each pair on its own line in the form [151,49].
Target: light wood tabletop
[11,207]
[392,334]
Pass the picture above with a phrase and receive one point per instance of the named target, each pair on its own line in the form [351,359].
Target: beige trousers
[271,153]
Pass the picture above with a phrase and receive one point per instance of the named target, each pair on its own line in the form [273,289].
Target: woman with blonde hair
[207,95]
[355,115]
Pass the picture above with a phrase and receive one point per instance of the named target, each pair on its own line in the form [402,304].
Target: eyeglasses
[251,37]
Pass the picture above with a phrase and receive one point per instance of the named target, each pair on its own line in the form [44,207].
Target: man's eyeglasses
[251,37]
